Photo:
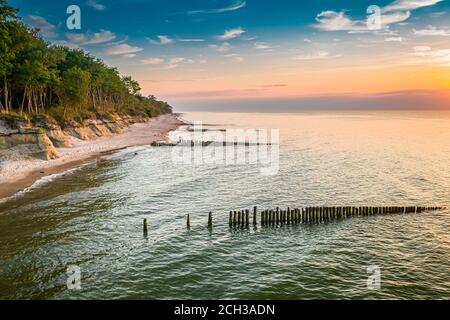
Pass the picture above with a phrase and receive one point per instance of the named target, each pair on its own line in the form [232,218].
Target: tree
[8,20]
[39,78]
[74,89]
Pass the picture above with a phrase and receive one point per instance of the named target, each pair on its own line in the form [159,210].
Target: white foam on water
[45,180]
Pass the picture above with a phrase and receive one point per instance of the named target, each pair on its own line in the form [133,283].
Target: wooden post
[230,219]
[309,215]
[188,222]
[277,215]
[145,227]
[235,218]
[247,218]
[254,215]
[239,218]
[210,219]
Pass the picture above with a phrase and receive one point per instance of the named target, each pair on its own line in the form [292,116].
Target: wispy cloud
[396,12]
[319,55]
[408,5]
[231,34]
[394,39]
[124,50]
[167,64]
[262,46]
[235,6]
[235,57]
[191,40]
[91,38]
[96,5]
[165,40]
[340,21]
[428,55]
[152,61]
[45,27]
[432,31]
[162,39]
[221,48]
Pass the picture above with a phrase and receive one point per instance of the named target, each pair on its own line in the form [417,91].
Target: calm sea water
[92,217]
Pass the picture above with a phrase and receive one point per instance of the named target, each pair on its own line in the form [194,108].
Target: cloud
[320,55]
[396,12]
[123,50]
[394,39]
[96,5]
[177,60]
[191,40]
[339,21]
[91,38]
[409,5]
[426,55]
[65,44]
[432,31]
[162,39]
[152,61]
[165,40]
[45,27]
[231,34]
[167,64]
[235,6]
[235,57]
[262,46]
[221,48]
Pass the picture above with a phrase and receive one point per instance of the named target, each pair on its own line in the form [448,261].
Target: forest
[39,78]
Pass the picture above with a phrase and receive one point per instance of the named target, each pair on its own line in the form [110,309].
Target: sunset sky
[219,53]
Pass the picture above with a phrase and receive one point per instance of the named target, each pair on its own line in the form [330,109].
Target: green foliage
[65,83]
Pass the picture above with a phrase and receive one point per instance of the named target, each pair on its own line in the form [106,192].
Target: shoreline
[15,176]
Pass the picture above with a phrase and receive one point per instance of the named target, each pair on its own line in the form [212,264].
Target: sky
[284,54]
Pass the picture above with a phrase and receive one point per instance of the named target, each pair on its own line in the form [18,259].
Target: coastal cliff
[39,137]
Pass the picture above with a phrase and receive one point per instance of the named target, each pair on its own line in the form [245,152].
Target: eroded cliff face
[39,138]
[18,139]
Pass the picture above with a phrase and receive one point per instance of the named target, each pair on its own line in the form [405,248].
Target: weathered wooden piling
[247,218]
[188,222]
[145,227]
[230,219]
[254,215]
[210,219]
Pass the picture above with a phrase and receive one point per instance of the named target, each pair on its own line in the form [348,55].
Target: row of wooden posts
[315,215]
[309,215]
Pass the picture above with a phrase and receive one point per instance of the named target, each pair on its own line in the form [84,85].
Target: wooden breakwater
[307,215]
[315,215]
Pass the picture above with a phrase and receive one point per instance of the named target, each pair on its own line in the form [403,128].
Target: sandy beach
[16,175]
